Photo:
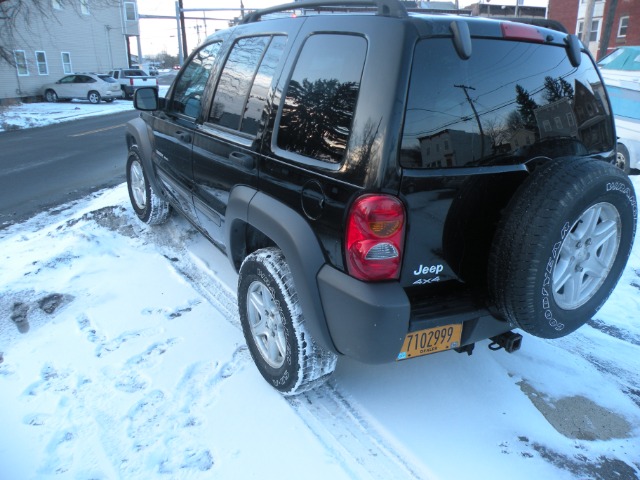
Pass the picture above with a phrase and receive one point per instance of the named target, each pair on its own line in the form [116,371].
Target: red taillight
[375,237]
[131,82]
[519,31]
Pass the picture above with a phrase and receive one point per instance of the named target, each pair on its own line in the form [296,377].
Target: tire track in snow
[354,444]
[359,449]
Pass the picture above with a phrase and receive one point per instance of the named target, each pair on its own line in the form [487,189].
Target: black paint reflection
[509,102]
[321,97]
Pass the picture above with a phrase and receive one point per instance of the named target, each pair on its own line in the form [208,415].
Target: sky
[158,35]
[121,356]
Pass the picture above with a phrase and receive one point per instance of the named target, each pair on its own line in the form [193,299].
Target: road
[44,167]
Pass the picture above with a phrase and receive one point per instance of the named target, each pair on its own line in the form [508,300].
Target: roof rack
[387,8]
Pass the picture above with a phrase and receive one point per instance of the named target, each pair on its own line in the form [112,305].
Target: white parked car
[90,86]
[621,74]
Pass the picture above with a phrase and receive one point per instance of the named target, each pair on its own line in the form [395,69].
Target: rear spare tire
[562,244]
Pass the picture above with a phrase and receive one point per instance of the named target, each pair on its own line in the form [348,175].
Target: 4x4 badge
[424,281]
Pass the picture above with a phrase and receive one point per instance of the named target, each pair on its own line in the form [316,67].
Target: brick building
[615,22]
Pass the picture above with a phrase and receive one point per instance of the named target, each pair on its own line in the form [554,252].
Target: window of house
[595,30]
[41,61]
[21,63]
[187,95]
[66,63]
[570,121]
[321,97]
[84,7]
[244,83]
[622,27]
[547,125]
[558,121]
[130,12]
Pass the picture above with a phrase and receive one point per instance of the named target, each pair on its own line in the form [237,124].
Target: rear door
[225,146]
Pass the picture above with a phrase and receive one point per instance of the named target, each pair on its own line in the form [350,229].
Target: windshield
[627,58]
[509,100]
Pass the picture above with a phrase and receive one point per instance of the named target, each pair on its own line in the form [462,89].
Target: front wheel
[274,327]
[149,207]
[562,245]
[51,96]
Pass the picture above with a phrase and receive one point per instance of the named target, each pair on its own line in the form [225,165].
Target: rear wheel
[274,327]
[51,96]
[562,245]
[149,207]
[623,160]
[94,97]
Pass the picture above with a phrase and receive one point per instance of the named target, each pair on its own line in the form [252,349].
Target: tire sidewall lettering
[547,281]
[627,192]
[266,279]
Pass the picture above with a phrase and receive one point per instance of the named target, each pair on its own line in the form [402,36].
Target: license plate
[431,340]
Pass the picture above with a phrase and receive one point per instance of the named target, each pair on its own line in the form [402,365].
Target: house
[614,23]
[486,9]
[72,36]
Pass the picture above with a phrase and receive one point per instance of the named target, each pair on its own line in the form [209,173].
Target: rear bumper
[113,95]
[369,321]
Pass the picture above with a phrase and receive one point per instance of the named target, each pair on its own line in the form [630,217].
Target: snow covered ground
[122,357]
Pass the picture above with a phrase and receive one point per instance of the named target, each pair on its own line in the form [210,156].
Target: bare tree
[19,18]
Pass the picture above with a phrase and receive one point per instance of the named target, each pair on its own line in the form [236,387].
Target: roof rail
[387,8]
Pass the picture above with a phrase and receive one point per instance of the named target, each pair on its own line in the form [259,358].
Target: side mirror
[146,99]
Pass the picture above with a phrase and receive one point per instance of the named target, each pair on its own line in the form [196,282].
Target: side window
[235,81]
[260,90]
[244,84]
[187,94]
[321,97]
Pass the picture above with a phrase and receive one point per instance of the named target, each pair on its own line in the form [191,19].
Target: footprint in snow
[151,356]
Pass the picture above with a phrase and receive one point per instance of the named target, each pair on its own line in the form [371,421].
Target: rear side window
[244,83]
[510,101]
[187,94]
[321,97]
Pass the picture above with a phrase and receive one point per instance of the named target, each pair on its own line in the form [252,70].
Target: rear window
[108,78]
[135,73]
[509,101]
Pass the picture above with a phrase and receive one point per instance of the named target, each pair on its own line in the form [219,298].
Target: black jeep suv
[390,184]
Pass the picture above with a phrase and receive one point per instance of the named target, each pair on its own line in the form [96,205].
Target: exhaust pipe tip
[510,341]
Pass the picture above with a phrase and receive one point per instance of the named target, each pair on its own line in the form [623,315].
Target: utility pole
[588,20]
[178,16]
[466,89]
[608,26]
[184,30]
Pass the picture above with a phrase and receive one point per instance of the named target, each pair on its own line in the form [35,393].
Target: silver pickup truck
[130,79]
